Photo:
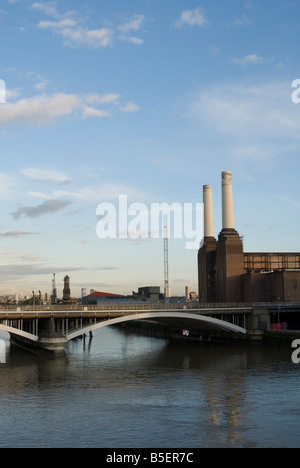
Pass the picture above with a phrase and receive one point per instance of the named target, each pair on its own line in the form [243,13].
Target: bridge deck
[52,327]
[44,313]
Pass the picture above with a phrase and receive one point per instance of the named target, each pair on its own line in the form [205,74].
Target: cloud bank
[42,110]
[48,207]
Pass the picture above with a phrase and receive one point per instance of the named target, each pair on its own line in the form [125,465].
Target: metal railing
[137,306]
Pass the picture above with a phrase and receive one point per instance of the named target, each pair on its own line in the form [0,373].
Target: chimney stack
[227,201]
[208,211]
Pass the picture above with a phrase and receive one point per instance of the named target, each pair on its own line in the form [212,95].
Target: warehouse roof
[103,294]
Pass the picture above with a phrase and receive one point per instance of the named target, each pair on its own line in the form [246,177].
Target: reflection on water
[127,391]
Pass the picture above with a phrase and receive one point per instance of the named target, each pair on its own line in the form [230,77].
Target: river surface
[128,391]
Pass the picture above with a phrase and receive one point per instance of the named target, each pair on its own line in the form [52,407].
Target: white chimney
[208,211]
[227,201]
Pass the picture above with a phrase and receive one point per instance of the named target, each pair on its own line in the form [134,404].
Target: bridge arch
[175,319]
[17,332]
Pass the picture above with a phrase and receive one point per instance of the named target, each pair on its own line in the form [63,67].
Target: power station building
[226,274]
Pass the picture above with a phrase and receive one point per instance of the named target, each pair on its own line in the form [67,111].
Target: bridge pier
[37,335]
[49,339]
[52,344]
[55,345]
[259,322]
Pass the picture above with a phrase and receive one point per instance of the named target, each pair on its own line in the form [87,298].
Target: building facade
[226,274]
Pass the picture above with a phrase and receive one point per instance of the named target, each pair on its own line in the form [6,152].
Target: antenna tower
[166,260]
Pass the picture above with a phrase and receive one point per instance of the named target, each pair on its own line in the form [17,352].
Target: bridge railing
[148,306]
[136,306]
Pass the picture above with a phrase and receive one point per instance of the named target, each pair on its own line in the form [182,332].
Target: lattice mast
[166,260]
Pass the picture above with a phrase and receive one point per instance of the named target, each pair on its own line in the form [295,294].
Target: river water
[128,391]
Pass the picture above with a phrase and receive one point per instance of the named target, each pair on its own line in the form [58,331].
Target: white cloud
[41,85]
[18,271]
[257,111]
[290,201]
[72,32]
[45,109]
[134,24]
[17,234]
[192,18]
[58,25]
[104,99]
[90,38]
[95,193]
[12,94]
[261,153]
[132,40]
[130,107]
[75,34]
[45,8]
[252,59]
[30,258]
[39,110]
[242,20]
[47,176]
[92,112]
[38,195]
[100,193]
[7,186]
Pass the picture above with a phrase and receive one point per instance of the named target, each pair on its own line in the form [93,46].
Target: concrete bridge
[53,327]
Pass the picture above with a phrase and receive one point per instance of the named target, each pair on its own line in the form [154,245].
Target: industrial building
[150,294]
[146,295]
[226,274]
[67,290]
[102,298]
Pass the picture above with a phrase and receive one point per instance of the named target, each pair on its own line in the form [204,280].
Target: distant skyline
[150,99]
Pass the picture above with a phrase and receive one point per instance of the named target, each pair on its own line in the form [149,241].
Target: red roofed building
[102,298]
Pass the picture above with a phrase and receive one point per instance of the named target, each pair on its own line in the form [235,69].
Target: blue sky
[152,99]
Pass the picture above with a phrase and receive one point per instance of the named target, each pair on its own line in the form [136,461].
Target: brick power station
[226,274]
